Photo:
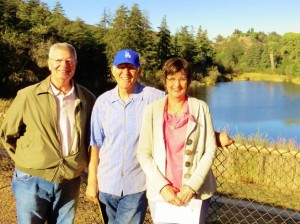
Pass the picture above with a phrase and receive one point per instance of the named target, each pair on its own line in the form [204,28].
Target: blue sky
[215,16]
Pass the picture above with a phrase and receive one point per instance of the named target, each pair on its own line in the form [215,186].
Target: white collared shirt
[66,117]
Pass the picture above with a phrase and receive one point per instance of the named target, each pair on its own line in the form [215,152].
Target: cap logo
[127,55]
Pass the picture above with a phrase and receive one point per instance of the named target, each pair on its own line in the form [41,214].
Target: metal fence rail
[254,185]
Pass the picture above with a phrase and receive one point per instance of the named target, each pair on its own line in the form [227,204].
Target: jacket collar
[44,87]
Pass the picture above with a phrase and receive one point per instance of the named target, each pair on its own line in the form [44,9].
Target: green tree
[138,30]
[273,45]
[129,29]
[164,44]
[252,56]
[117,36]
[205,52]
[230,53]
[219,38]
[57,23]
[290,53]
[105,20]
[186,44]
[8,14]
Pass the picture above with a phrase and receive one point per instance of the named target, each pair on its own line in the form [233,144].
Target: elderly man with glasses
[45,131]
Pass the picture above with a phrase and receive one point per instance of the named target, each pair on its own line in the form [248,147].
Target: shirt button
[187,164]
[122,174]
[189,141]
[188,152]
[187,175]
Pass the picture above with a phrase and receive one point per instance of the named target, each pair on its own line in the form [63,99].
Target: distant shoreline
[207,81]
[266,77]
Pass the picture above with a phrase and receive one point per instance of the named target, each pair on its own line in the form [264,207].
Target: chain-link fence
[255,185]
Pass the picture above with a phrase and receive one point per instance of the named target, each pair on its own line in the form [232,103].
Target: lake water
[250,108]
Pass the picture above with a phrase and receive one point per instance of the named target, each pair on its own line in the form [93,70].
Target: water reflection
[268,108]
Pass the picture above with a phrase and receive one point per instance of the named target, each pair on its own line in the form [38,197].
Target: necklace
[174,111]
[173,122]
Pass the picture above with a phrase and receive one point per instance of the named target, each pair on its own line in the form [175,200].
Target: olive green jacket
[30,133]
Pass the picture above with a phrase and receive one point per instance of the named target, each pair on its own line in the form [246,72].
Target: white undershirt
[66,117]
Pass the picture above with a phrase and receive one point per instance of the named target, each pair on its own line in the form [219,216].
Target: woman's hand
[185,194]
[169,194]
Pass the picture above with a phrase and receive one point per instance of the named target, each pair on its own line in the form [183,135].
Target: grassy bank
[263,141]
[213,79]
[265,77]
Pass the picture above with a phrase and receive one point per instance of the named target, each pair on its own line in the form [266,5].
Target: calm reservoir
[250,108]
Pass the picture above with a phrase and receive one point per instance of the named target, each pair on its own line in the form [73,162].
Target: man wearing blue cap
[115,175]
[115,127]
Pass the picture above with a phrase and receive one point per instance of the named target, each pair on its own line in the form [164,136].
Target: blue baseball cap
[127,56]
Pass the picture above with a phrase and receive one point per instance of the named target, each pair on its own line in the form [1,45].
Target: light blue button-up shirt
[115,128]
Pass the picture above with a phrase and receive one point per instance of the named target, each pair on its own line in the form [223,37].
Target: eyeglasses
[68,61]
[181,80]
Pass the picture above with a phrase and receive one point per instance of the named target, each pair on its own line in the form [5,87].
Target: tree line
[28,28]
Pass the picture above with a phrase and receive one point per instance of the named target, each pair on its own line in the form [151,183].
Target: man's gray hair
[63,46]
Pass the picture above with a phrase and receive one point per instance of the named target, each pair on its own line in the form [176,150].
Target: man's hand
[92,181]
[92,191]
[223,139]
